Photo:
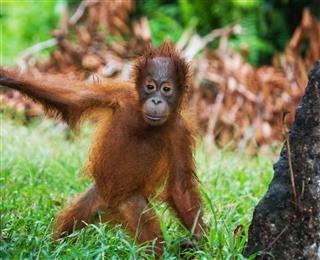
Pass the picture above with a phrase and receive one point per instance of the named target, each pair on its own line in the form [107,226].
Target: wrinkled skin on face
[159,93]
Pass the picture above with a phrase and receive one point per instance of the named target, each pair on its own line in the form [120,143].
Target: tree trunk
[286,222]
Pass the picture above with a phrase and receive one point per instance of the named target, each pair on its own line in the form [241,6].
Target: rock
[286,223]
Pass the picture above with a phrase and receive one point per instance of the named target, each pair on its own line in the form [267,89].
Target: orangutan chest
[157,175]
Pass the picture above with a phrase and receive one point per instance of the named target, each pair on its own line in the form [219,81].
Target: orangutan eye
[166,89]
[149,88]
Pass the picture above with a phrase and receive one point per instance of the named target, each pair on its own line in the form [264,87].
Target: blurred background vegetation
[268,24]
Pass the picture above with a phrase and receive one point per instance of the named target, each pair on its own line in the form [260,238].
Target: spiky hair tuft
[167,49]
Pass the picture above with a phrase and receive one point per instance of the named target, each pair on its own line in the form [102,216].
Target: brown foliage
[236,103]
[250,102]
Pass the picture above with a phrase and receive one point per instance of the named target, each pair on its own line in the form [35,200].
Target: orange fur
[128,160]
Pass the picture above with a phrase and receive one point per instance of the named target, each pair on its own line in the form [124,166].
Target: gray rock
[282,225]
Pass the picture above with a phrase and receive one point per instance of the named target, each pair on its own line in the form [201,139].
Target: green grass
[40,169]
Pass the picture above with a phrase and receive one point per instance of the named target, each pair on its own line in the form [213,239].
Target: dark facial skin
[159,93]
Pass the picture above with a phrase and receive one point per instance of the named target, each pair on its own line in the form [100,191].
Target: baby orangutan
[143,142]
